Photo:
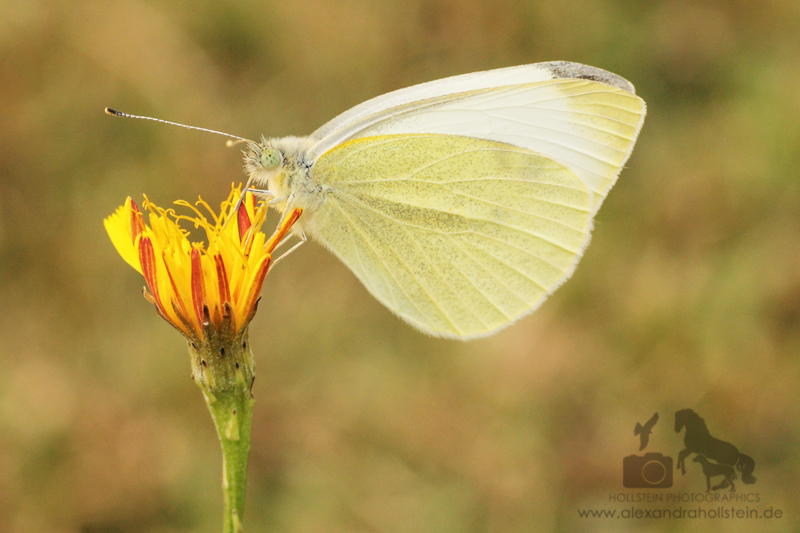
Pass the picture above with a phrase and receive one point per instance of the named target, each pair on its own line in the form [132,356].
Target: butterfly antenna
[116,113]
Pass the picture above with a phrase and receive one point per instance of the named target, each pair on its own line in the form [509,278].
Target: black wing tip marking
[569,70]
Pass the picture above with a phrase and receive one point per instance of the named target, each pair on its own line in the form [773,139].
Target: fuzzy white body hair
[292,176]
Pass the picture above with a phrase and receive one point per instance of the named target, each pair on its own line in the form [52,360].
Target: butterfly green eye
[270,158]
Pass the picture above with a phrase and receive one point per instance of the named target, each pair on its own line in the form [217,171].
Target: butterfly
[461,203]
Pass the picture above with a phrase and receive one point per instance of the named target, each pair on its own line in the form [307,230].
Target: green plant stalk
[232,414]
[224,369]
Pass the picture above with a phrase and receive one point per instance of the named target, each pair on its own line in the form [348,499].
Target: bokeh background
[688,297]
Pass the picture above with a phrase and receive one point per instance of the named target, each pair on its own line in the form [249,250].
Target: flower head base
[199,288]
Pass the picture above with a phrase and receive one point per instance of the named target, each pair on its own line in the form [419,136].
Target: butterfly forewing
[586,126]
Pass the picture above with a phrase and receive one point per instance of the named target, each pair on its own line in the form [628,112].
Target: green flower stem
[232,414]
[224,369]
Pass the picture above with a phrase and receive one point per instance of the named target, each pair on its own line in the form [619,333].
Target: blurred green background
[688,297]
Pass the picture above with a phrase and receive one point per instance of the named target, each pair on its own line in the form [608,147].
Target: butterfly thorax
[291,176]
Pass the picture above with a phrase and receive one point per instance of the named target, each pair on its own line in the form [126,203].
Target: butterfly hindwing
[457,235]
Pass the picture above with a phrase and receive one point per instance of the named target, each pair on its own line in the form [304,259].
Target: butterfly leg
[283,228]
[302,237]
[287,213]
[247,187]
[239,201]
[263,192]
[288,219]
[303,240]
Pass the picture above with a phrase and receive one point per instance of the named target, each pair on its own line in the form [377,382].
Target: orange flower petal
[222,278]
[136,222]
[244,220]
[198,286]
[147,258]
[284,228]
[255,287]
[178,300]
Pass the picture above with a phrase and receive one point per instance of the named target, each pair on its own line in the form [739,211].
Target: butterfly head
[262,161]
[281,167]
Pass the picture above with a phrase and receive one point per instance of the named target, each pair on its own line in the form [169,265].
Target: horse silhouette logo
[724,454]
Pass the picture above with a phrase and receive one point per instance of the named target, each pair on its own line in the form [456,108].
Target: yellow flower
[209,293]
[193,286]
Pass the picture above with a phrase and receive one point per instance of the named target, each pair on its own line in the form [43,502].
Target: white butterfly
[461,203]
